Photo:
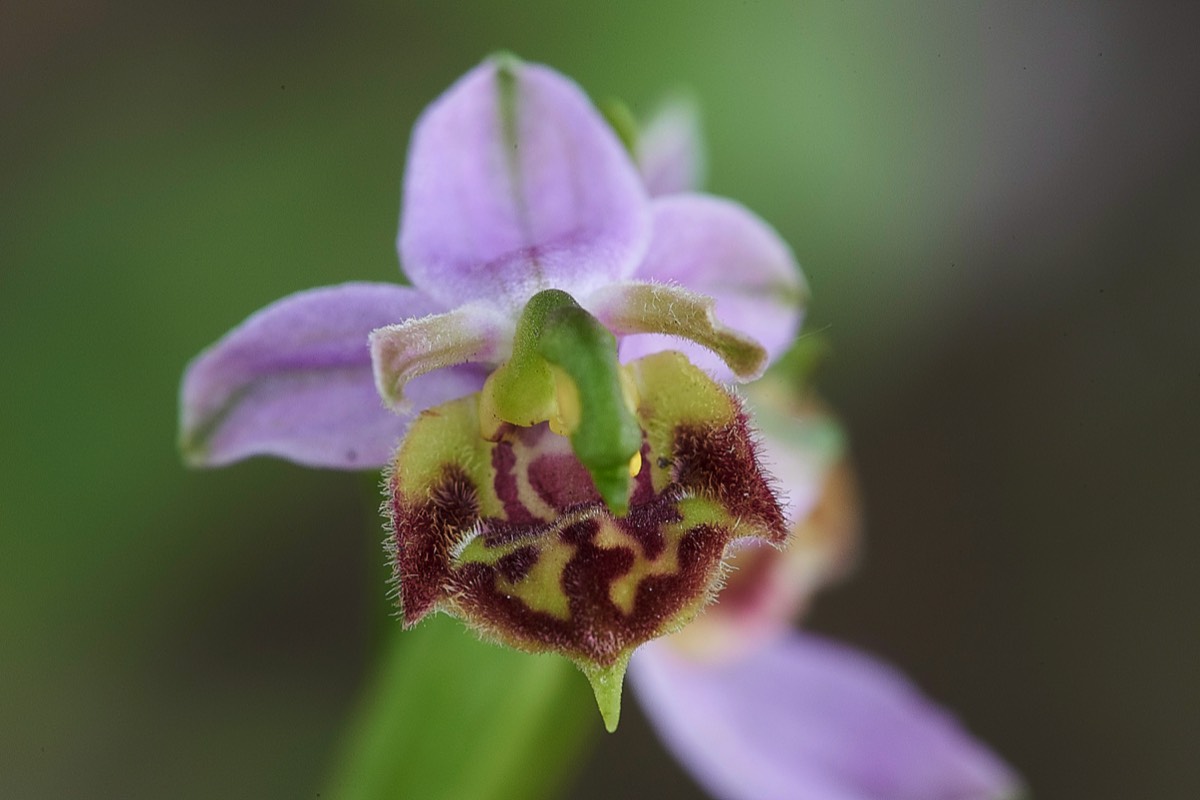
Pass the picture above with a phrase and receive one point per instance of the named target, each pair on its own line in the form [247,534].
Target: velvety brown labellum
[512,537]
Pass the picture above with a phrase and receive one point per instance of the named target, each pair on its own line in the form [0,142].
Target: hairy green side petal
[661,308]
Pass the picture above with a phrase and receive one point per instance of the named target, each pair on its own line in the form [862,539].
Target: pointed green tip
[613,485]
[606,685]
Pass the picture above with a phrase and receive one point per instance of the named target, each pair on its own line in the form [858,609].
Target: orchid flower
[567,468]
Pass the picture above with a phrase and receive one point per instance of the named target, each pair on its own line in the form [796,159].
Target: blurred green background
[997,206]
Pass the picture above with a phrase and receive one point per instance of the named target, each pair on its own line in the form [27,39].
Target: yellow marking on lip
[541,589]
[671,392]
[443,436]
[623,590]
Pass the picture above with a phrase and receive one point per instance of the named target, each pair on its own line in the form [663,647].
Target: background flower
[754,709]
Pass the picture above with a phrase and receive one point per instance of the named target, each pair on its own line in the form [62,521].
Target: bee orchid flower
[568,469]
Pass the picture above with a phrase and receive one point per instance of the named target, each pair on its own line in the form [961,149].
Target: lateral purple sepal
[294,380]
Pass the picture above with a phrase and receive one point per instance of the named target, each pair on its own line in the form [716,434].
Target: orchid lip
[514,535]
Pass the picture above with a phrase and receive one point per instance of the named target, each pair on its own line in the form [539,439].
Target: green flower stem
[447,716]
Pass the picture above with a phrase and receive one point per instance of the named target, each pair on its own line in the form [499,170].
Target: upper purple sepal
[515,184]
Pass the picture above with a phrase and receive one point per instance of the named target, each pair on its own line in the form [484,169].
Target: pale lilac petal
[718,248]
[670,149]
[514,184]
[809,718]
[294,380]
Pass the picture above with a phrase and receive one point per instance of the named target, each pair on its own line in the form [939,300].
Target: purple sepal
[294,380]
[515,184]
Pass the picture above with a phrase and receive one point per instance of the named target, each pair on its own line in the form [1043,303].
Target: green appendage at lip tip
[607,683]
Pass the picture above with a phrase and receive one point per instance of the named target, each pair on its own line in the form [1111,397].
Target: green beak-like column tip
[564,369]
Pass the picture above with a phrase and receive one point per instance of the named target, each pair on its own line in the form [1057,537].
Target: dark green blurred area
[997,206]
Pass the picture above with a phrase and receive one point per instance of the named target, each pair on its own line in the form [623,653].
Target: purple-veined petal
[294,380]
[472,333]
[670,150]
[805,718]
[514,184]
[718,248]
